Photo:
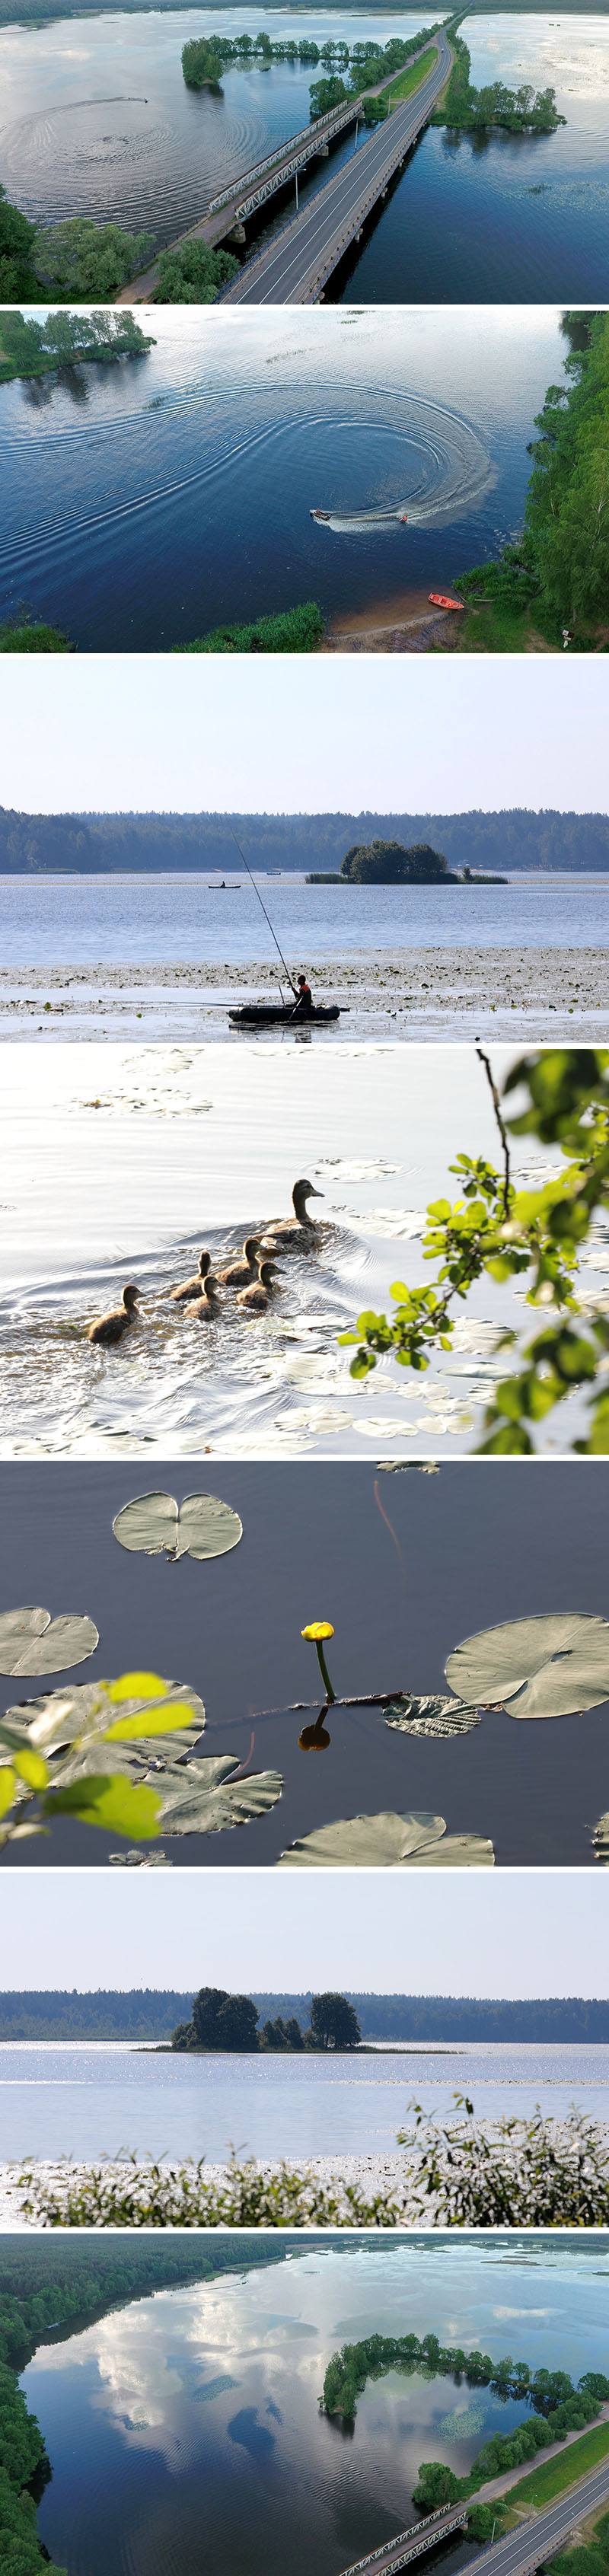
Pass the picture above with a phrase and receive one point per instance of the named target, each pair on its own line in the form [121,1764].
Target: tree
[17,238]
[334,2024]
[223,2021]
[83,259]
[325,94]
[388,863]
[193,274]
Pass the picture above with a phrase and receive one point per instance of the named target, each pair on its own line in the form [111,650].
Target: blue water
[155,920]
[86,2102]
[149,501]
[184,2430]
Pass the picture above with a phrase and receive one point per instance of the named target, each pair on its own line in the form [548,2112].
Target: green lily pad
[32,1642]
[201,1526]
[139,1860]
[543,1667]
[388,1842]
[432,1716]
[205,1797]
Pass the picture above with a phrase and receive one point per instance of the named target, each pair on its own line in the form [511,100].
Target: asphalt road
[535,2539]
[295,263]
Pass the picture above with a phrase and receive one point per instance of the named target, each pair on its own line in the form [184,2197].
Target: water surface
[147,502]
[190,2423]
[141,920]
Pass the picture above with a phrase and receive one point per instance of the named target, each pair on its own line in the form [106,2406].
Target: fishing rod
[246,864]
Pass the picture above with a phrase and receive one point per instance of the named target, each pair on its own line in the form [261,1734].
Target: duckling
[287,1234]
[242,1274]
[257,1297]
[192,1287]
[110,1328]
[203,1308]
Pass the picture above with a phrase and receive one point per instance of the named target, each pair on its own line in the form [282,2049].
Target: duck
[290,1233]
[192,1287]
[110,1328]
[202,1309]
[242,1274]
[255,1299]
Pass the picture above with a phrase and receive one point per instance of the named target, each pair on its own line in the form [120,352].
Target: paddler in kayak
[303,1005]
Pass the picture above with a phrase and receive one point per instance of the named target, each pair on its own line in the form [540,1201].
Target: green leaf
[7,1789]
[432,1716]
[32,1642]
[31,1768]
[161,1720]
[135,1686]
[205,1798]
[110,1803]
[201,1527]
[540,1667]
[388,1842]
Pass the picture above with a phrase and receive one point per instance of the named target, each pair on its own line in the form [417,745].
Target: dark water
[99,920]
[149,501]
[90,2102]
[464,1550]
[100,122]
[184,2430]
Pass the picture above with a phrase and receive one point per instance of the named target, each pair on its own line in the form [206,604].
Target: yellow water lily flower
[318,1629]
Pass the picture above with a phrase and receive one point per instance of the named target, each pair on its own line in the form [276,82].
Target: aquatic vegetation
[32,1642]
[316,1635]
[201,1526]
[539,1667]
[430,1716]
[388,1842]
[129,1772]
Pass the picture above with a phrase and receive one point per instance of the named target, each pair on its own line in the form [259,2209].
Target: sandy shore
[560,994]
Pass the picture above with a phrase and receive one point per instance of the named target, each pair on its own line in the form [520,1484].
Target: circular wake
[444,465]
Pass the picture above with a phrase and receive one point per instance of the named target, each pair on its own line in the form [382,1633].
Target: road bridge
[226,215]
[294,267]
[519,2553]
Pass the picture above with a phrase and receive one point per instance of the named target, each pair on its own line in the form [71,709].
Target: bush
[193,274]
[297,630]
[30,635]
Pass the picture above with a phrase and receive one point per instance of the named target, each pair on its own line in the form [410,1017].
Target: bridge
[226,215]
[294,267]
[520,2553]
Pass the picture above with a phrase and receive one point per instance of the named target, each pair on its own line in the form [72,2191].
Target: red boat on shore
[437,599]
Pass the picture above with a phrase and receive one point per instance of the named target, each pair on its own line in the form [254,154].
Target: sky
[487,1933]
[441,734]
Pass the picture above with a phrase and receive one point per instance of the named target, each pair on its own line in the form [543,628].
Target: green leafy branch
[496,1229]
[92,1753]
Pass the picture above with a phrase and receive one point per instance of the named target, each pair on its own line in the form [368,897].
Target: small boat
[437,599]
[320,514]
[259,1015]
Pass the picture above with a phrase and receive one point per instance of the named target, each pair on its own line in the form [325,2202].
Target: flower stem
[324,1670]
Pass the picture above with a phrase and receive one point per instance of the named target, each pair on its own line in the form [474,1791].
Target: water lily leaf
[139,1860]
[32,1642]
[205,1797]
[431,1716]
[542,1667]
[201,1526]
[112,1803]
[388,1842]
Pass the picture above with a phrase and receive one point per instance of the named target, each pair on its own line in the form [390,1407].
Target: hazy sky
[497,1933]
[152,733]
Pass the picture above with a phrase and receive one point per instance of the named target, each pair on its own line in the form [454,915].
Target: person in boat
[304,1003]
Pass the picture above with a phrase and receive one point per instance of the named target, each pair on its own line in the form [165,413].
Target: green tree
[388,863]
[334,2024]
[17,238]
[223,2021]
[325,94]
[81,259]
[193,274]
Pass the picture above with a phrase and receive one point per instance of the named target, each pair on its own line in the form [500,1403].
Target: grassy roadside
[410,79]
[558,2475]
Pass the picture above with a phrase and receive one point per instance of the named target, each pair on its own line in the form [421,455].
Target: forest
[95,843]
[29,347]
[153,2014]
[555,578]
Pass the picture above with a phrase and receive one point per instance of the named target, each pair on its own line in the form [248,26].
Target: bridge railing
[415,2532]
[331,123]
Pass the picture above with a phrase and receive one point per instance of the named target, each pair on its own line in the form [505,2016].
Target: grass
[22,635]
[409,79]
[559,2474]
[297,630]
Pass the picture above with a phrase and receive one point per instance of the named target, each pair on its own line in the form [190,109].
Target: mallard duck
[203,1308]
[255,1299]
[291,1233]
[242,1274]
[110,1328]
[192,1287]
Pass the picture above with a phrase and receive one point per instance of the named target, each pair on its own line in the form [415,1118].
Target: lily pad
[205,1797]
[600,1840]
[545,1667]
[201,1526]
[388,1842]
[72,1726]
[431,1716]
[139,1860]
[32,1642]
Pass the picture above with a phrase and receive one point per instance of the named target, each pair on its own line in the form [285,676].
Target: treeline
[205,57]
[152,2014]
[30,348]
[559,570]
[558,2407]
[523,110]
[63,2285]
[221,2021]
[89,843]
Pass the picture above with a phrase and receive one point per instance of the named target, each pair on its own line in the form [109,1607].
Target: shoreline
[557,994]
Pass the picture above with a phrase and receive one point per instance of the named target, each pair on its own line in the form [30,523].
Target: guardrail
[417,2538]
[331,123]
